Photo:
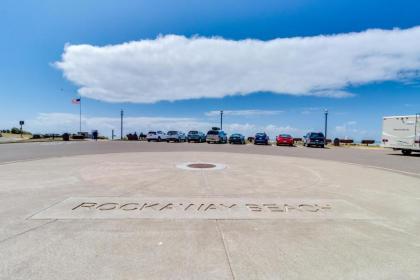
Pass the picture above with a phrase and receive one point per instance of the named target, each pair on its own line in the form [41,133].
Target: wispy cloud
[175,67]
[350,129]
[65,122]
[310,110]
[244,113]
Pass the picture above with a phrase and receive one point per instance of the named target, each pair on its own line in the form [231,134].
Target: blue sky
[34,34]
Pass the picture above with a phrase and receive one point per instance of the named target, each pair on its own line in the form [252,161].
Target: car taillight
[384,140]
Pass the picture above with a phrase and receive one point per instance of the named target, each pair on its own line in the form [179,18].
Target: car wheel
[148,140]
[322,146]
[406,152]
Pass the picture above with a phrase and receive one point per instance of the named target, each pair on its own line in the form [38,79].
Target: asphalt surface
[380,158]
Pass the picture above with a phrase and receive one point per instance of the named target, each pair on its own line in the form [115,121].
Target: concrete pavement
[293,218]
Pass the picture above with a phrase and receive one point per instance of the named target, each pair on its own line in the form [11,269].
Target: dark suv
[316,139]
[261,138]
[196,136]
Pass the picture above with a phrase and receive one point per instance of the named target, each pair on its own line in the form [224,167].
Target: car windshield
[236,135]
[172,132]
[317,135]
[213,132]
[260,134]
[152,132]
[285,136]
[193,132]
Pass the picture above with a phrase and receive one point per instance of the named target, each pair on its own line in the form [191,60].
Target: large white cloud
[175,67]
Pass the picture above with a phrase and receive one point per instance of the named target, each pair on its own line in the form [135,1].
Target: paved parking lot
[388,159]
[120,210]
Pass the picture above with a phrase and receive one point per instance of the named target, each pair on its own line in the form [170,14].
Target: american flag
[75,101]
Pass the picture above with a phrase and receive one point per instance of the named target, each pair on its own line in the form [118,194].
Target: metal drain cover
[200,166]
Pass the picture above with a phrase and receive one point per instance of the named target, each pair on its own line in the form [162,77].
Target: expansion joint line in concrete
[219,230]
[222,237]
[26,231]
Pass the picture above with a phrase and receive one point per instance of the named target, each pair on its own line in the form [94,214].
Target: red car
[284,139]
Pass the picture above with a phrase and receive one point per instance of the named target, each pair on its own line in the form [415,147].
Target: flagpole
[80,115]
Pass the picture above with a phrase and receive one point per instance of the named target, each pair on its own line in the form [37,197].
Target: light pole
[122,116]
[21,131]
[221,119]
[326,125]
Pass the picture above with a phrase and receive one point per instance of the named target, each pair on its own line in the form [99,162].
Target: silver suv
[216,136]
[176,136]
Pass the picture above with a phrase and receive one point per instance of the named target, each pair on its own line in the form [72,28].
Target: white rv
[402,133]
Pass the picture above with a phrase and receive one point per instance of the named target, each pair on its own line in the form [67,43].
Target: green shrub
[15,130]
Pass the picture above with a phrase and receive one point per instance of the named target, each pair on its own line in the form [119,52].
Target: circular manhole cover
[201,165]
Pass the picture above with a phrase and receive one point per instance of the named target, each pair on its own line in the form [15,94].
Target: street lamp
[326,125]
[21,131]
[122,120]
[221,119]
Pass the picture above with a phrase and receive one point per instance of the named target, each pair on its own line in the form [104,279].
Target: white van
[402,133]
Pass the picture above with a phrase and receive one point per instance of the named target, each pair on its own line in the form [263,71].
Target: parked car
[196,136]
[261,138]
[176,136]
[316,139]
[216,136]
[237,138]
[155,136]
[284,139]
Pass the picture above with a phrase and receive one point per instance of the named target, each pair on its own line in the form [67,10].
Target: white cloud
[244,113]
[65,122]
[310,110]
[175,67]
[350,130]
